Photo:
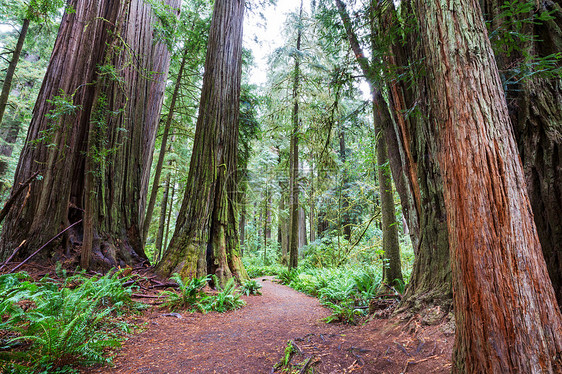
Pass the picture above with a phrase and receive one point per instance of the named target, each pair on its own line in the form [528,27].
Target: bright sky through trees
[263,34]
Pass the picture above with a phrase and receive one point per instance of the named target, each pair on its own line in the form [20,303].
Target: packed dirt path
[253,339]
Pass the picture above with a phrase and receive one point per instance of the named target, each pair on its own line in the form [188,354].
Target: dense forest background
[409,149]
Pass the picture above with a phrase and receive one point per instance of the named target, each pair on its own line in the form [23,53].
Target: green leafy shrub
[228,298]
[345,312]
[287,276]
[60,324]
[191,295]
[251,287]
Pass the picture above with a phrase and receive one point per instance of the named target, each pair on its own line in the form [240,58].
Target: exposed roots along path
[252,340]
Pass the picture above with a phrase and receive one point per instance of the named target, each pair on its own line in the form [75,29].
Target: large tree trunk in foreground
[506,313]
[93,83]
[206,237]
[535,107]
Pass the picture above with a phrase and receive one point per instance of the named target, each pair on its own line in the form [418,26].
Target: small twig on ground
[402,348]
[406,367]
[145,296]
[297,348]
[305,366]
[165,285]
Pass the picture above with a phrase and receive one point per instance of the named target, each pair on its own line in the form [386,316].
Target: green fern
[191,295]
[251,287]
[228,298]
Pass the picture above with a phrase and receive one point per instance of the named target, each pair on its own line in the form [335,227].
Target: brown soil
[253,340]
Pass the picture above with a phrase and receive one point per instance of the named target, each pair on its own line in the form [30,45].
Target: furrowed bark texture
[417,175]
[414,170]
[206,238]
[506,315]
[535,107]
[114,75]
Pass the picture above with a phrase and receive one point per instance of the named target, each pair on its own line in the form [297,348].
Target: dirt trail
[252,340]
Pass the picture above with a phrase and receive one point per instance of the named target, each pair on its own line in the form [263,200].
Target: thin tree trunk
[302,229]
[506,314]
[344,197]
[162,220]
[7,86]
[169,219]
[283,234]
[311,205]
[163,147]
[390,244]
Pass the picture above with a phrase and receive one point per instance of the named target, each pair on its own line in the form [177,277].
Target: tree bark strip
[506,315]
[206,237]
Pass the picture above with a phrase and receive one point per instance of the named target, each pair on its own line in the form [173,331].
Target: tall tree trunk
[302,229]
[282,231]
[536,113]
[9,133]
[7,86]
[93,80]
[169,218]
[384,133]
[206,237]
[294,160]
[163,147]
[415,170]
[506,313]
[390,244]
[311,204]
[345,221]
[162,219]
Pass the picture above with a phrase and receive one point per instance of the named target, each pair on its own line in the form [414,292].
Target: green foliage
[59,325]
[514,36]
[191,295]
[287,276]
[256,268]
[345,290]
[251,287]
[344,312]
[228,298]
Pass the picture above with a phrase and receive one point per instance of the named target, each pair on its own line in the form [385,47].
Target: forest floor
[253,340]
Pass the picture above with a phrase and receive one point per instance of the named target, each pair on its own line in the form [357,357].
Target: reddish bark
[506,314]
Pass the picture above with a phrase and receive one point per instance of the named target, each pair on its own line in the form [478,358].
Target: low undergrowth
[51,326]
[191,296]
[347,291]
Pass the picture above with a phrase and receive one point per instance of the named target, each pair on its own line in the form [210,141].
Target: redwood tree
[294,158]
[206,237]
[535,107]
[92,134]
[506,313]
